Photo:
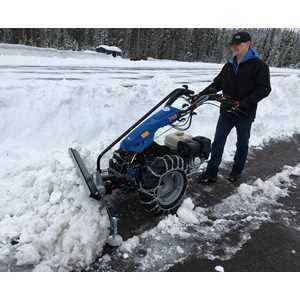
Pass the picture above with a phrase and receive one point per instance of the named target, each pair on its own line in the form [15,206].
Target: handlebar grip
[189,92]
[177,93]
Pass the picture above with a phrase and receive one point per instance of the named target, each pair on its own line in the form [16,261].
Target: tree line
[278,47]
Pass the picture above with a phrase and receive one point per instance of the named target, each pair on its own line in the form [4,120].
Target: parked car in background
[109,50]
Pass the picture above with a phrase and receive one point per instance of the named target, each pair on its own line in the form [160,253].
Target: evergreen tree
[278,47]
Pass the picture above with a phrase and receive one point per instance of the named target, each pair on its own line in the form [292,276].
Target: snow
[27,255]
[175,238]
[130,244]
[47,212]
[171,225]
[179,250]
[110,48]
[23,50]
[219,269]
[52,99]
[186,212]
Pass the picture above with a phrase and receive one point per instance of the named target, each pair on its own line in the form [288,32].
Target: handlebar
[194,101]
[184,91]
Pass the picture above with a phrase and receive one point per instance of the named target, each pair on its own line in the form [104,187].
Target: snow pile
[176,225]
[219,269]
[201,231]
[179,250]
[46,220]
[247,201]
[130,244]
[279,114]
[186,212]
[250,198]
[92,114]
[189,214]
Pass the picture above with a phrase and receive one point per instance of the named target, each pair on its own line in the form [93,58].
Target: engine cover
[172,139]
[189,148]
[196,147]
[205,144]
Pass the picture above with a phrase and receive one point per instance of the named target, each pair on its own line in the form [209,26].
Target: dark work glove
[230,104]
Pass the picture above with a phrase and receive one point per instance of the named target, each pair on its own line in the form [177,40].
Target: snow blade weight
[93,184]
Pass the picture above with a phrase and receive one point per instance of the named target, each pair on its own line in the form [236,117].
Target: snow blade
[87,178]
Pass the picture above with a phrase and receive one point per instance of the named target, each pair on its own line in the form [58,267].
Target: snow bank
[92,114]
[46,220]
[250,198]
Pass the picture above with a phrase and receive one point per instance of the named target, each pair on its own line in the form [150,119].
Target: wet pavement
[262,163]
[273,246]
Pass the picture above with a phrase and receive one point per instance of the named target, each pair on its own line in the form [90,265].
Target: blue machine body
[141,137]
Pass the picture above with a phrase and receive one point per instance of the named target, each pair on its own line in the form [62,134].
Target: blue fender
[142,137]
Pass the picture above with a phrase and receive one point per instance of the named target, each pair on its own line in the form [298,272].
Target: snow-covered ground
[53,99]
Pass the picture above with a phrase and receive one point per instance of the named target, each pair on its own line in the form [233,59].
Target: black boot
[234,176]
[207,179]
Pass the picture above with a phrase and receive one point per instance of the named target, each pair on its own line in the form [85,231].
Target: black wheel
[163,184]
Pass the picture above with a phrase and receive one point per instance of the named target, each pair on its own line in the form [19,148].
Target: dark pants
[225,123]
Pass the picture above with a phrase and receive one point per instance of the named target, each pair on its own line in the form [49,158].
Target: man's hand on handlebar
[215,97]
[211,97]
[230,104]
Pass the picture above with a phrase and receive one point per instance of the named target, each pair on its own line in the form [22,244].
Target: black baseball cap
[240,37]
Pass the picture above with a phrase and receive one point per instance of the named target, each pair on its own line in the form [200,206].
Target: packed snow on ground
[204,232]
[51,100]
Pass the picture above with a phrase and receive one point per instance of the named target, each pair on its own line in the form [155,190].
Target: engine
[127,164]
[187,146]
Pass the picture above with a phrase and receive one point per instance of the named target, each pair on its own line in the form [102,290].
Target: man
[245,80]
